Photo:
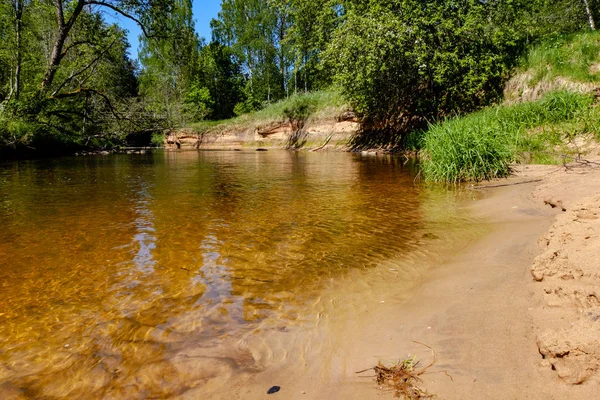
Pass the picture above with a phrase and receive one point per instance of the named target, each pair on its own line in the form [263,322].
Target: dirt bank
[328,134]
[497,333]
[567,275]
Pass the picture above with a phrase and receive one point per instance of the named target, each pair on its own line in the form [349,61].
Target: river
[149,276]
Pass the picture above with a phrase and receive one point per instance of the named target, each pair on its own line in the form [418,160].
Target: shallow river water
[146,276]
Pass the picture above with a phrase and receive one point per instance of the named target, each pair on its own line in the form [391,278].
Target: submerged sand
[514,315]
[512,312]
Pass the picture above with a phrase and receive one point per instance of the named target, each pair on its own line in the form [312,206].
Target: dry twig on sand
[403,377]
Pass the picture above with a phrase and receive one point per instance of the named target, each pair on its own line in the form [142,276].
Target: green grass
[312,106]
[567,56]
[481,146]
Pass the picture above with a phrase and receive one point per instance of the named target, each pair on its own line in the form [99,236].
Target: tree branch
[87,91]
[60,17]
[75,15]
[75,44]
[122,12]
[61,36]
[94,61]
[61,113]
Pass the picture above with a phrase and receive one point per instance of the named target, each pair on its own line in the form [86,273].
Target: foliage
[69,80]
[221,74]
[170,64]
[404,63]
[66,77]
[278,45]
[310,33]
[300,107]
[198,103]
[541,18]
[253,30]
[482,145]
[308,105]
[571,56]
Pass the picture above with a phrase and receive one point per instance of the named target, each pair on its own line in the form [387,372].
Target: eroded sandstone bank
[333,134]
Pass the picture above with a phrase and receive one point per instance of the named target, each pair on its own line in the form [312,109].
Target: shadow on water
[125,276]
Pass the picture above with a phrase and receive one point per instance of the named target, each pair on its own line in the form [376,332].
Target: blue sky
[204,11]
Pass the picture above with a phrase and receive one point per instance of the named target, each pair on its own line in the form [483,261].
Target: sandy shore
[497,332]
[514,323]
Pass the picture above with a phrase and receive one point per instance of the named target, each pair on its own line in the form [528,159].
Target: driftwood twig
[324,144]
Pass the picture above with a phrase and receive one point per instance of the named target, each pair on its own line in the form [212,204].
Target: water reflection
[144,230]
[145,276]
[218,298]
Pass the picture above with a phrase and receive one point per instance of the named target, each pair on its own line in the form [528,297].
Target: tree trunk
[19,61]
[589,15]
[59,41]
[281,38]
[305,76]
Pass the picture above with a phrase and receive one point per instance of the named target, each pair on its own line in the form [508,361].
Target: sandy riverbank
[511,323]
[482,312]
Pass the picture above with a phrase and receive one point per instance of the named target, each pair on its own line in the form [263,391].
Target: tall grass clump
[481,146]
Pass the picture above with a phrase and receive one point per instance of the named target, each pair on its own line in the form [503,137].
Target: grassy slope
[560,75]
[319,105]
[575,57]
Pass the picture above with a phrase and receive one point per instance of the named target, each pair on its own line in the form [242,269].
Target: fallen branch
[555,204]
[505,184]
[324,144]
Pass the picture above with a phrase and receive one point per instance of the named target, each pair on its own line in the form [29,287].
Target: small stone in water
[274,389]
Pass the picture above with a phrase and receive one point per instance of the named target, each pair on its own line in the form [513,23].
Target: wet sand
[480,310]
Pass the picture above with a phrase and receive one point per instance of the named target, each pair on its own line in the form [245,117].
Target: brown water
[146,276]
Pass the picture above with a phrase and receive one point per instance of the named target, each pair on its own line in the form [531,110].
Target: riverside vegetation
[408,69]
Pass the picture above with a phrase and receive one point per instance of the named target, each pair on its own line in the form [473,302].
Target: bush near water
[483,145]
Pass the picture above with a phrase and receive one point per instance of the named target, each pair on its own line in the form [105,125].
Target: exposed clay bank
[329,134]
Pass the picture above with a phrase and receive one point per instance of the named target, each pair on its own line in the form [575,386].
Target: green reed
[482,146]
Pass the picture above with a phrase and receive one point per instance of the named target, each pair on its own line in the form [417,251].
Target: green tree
[221,74]
[169,64]
[255,31]
[69,78]
[198,102]
[308,36]
[406,62]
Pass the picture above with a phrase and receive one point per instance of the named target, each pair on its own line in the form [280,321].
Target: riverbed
[172,273]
